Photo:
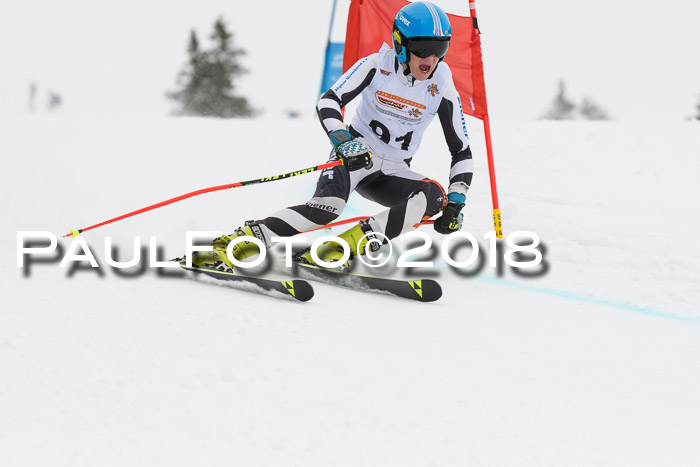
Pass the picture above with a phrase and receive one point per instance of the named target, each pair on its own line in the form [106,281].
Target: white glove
[354,153]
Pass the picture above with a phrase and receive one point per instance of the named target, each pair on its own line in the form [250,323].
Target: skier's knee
[435,197]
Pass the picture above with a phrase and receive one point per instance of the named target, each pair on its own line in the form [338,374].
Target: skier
[401,89]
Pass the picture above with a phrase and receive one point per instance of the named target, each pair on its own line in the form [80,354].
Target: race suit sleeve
[348,86]
[455,130]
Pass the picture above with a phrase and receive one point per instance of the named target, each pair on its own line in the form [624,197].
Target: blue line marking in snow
[586,299]
[595,301]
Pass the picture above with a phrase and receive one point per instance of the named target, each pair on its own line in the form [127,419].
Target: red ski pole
[74,233]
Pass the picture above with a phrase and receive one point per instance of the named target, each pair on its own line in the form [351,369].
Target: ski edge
[422,290]
[298,289]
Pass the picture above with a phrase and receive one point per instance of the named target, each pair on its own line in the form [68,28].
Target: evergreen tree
[189,80]
[206,82]
[592,111]
[562,108]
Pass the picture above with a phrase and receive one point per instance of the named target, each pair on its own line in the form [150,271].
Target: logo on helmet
[404,20]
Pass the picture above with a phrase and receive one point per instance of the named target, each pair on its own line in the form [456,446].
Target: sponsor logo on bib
[414,109]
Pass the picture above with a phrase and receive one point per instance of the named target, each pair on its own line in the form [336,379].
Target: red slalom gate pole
[76,232]
[498,227]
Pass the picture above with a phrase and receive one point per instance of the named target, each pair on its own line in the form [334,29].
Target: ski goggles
[425,47]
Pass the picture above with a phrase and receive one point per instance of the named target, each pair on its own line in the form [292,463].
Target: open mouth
[424,68]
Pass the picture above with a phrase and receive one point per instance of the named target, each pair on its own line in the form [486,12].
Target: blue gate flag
[333,68]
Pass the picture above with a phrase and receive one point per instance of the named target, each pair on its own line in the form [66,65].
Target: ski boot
[358,239]
[217,258]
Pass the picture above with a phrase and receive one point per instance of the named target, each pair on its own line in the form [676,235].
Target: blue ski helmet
[423,29]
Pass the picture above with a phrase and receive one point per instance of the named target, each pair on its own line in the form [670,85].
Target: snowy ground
[593,363]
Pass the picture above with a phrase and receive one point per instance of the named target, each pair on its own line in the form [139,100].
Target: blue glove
[355,154]
[451,218]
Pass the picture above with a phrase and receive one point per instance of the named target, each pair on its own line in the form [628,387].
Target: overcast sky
[637,59]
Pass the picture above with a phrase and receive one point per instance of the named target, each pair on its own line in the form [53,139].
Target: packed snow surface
[593,361]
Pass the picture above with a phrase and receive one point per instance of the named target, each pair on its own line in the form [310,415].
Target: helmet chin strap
[406,70]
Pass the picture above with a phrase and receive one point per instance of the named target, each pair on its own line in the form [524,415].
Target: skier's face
[421,68]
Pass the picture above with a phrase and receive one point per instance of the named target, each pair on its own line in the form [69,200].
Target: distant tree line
[54,99]
[563,108]
[205,85]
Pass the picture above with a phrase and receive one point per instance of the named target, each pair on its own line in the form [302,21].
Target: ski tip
[302,290]
[427,289]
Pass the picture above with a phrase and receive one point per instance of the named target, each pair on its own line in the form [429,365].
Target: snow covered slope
[594,362]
